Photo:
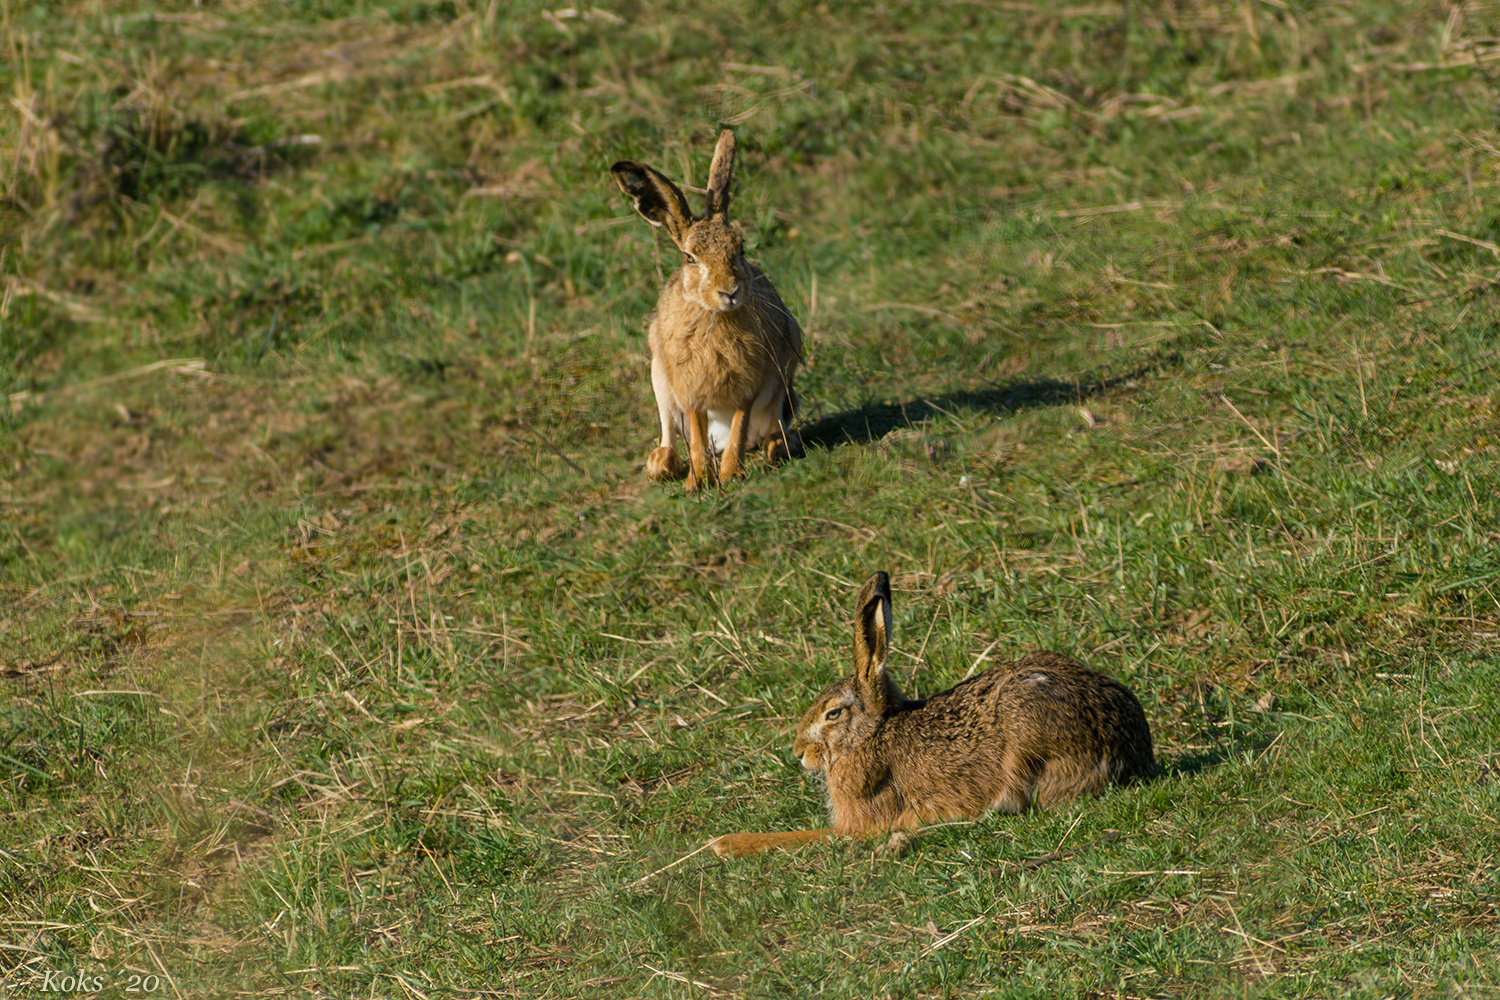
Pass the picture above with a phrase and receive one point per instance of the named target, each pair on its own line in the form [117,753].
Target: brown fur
[724,347]
[1033,733]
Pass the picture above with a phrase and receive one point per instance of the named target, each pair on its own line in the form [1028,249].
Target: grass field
[346,651]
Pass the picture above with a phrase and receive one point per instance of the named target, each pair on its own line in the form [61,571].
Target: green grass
[349,653]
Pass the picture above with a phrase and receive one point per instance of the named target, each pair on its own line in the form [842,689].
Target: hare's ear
[659,201]
[872,640]
[720,173]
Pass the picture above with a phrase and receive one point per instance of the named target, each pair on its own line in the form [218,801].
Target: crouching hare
[1033,733]
[724,348]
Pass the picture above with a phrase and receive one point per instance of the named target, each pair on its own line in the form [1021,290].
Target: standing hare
[724,348]
[1036,732]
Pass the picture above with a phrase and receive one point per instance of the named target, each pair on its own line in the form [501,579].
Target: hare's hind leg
[784,443]
[664,462]
[1066,778]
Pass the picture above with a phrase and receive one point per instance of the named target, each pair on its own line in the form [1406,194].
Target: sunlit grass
[347,649]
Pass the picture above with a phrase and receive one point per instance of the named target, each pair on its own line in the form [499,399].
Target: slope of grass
[347,651]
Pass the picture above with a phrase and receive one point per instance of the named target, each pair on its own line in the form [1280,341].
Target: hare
[1036,732]
[724,347]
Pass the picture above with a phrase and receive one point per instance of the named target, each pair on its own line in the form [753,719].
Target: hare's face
[714,274]
[829,728]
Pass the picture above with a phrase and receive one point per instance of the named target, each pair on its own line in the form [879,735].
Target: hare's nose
[730,297]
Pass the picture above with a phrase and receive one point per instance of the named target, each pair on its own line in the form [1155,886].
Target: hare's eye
[688,258]
[833,713]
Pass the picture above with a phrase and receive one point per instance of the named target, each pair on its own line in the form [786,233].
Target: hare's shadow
[874,421]
[1226,746]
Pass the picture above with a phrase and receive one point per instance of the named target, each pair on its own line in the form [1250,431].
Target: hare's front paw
[783,446]
[665,463]
[899,843]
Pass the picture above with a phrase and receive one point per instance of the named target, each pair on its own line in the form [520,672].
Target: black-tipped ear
[659,201]
[720,174]
[872,640]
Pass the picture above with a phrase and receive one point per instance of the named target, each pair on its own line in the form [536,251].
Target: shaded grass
[359,658]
